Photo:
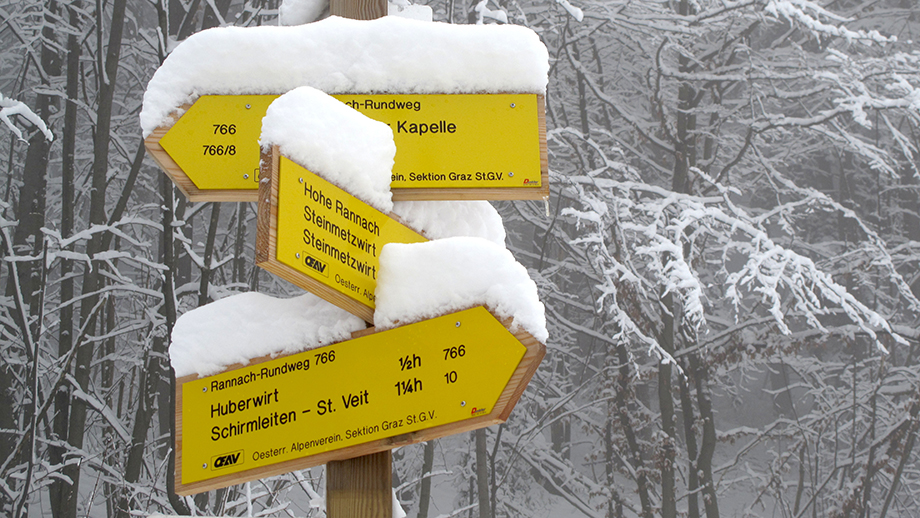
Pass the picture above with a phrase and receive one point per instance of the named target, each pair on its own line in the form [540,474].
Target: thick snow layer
[338,55]
[236,329]
[441,219]
[299,12]
[334,141]
[405,9]
[423,280]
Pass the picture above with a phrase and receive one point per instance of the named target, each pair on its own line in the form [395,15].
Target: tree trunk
[148,386]
[424,497]
[65,334]
[583,104]
[614,505]
[559,430]
[693,479]
[635,454]
[905,455]
[30,418]
[91,279]
[482,474]
[239,260]
[708,448]
[29,241]
[205,281]
[666,407]
[112,444]
[685,146]
[168,311]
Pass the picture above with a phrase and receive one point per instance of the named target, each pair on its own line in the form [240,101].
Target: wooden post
[358,9]
[360,487]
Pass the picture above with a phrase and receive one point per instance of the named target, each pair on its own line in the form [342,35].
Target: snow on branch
[573,11]
[87,234]
[710,255]
[104,410]
[775,273]
[483,12]
[668,260]
[10,107]
[874,248]
[857,97]
[798,11]
[614,271]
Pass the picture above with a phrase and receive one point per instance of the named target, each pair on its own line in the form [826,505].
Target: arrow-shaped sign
[449,147]
[438,377]
[321,238]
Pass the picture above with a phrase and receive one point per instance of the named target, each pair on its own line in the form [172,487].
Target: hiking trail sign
[321,238]
[377,391]
[449,147]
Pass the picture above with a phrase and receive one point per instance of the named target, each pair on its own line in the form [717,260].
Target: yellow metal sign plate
[415,377]
[216,142]
[330,236]
[442,141]
[466,141]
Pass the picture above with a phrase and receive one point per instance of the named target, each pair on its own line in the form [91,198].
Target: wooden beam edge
[544,149]
[263,210]
[177,467]
[472,194]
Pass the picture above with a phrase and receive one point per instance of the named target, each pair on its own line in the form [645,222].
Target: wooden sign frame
[267,242]
[193,193]
[176,174]
[533,355]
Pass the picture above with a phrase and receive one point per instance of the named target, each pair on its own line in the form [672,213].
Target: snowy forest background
[729,265]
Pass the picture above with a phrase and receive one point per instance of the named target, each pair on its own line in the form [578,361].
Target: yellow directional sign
[216,143]
[356,397]
[326,240]
[474,146]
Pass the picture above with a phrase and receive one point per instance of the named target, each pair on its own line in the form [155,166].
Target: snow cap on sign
[441,219]
[419,281]
[299,12]
[334,141]
[405,9]
[338,55]
[236,329]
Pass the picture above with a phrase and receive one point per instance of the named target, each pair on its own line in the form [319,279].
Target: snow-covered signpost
[265,386]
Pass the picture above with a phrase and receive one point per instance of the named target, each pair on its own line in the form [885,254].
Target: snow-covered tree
[717,230]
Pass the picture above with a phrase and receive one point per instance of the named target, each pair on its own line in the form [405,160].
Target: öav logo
[477,411]
[311,262]
[528,181]
[227,459]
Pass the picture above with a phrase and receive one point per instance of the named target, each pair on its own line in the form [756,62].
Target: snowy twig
[10,107]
